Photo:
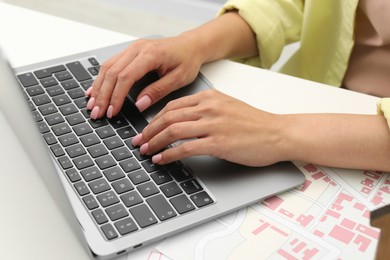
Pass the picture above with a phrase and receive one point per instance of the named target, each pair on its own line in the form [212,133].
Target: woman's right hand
[175,59]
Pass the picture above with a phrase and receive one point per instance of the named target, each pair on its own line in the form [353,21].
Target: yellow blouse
[325,29]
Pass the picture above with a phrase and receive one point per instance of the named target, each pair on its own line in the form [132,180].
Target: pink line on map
[363,241]
[341,234]
[377,200]
[385,189]
[286,255]
[348,223]
[368,231]
[367,214]
[326,179]
[366,190]
[260,229]
[299,247]
[280,231]
[373,175]
[294,241]
[305,220]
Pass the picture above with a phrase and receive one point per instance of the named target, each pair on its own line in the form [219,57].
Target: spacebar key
[78,71]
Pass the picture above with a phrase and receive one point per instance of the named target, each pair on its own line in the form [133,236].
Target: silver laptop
[121,200]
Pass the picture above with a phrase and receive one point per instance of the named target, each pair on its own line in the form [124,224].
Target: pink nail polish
[90,103]
[157,158]
[144,148]
[109,111]
[136,140]
[143,103]
[95,113]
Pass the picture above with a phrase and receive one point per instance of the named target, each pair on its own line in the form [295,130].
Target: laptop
[114,198]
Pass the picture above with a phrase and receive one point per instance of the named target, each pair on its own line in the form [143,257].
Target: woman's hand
[216,125]
[173,58]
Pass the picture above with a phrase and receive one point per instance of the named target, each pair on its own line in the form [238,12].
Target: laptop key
[69,84]
[109,231]
[61,129]
[43,128]
[143,215]
[61,100]
[63,75]
[76,93]
[93,61]
[57,150]
[65,162]
[105,132]
[147,189]
[90,174]
[118,122]
[107,199]
[138,176]
[81,188]
[54,119]
[131,198]
[161,177]
[47,109]
[50,138]
[55,91]
[68,109]
[170,189]
[99,216]
[182,204]
[150,166]
[97,150]
[98,186]
[121,154]
[35,90]
[68,139]
[130,165]
[126,132]
[98,123]
[48,71]
[86,84]
[113,142]
[191,186]
[201,199]
[90,139]
[105,162]
[116,212]
[36,116]
[81,102]
[83,162]
[161,207]
[82,129]
[125,226]
[41,100]
[75,150]
[73,175]
[90,202]
[48,82]
[75,119]
[27,79]
[114,173]
[122,186]
[78,71]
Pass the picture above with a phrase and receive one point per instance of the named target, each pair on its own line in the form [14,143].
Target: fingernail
[136,139]
[90,103]
[109,111]
[157,158]
[95,112]
[144,148]
[143,103]
[88,91]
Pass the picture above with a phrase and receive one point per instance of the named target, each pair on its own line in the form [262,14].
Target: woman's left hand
[213,124]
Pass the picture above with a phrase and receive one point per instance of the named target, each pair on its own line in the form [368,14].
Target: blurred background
[138,17]
[134,17]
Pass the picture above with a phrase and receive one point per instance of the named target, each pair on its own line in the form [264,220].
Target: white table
[28,37]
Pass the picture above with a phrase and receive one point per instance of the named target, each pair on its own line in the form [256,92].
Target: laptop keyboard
[121,189]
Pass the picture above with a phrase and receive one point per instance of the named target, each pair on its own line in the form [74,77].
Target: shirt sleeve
[274,22]
[383,108]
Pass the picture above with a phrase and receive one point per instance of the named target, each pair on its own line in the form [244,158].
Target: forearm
[338,140]
[226,36]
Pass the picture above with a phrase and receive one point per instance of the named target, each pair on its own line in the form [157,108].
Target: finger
[180,103]
[169,118]
[174,133]
[168,83]
[139,67]
[184,150]
[103,97]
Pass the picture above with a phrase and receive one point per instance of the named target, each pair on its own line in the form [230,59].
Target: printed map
[326,218]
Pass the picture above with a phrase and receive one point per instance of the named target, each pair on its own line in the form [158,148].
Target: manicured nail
[109,111]
[88,91]
[90,103]
[95,112]
[136,139]
[157,158]
[143,103]
[144,148]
